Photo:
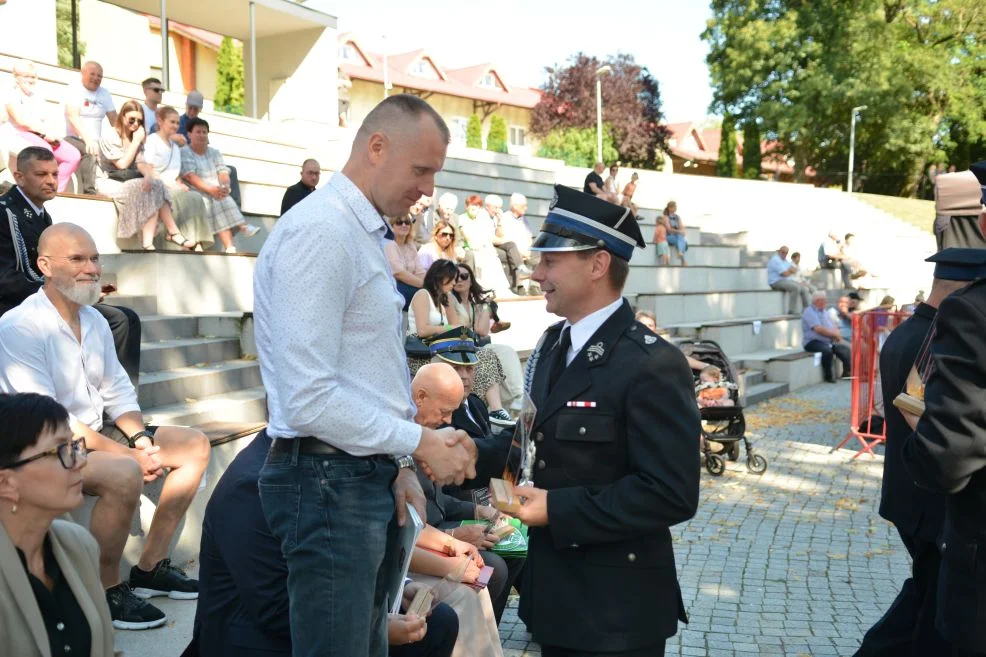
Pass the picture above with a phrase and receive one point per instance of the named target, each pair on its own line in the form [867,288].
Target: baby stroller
[722,424]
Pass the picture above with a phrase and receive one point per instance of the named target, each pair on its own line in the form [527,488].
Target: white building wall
[27,29]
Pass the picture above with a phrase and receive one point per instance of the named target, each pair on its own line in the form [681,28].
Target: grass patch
[914,211]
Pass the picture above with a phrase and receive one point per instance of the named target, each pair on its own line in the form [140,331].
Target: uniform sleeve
[949,444]
[662,425]
[116,389]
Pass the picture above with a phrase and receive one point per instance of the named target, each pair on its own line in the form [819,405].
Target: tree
[726,164]
[800,67]
[496,140]
[63,33]
[229,78]
[631,106]
[577,146]
[751,150]
[474,132]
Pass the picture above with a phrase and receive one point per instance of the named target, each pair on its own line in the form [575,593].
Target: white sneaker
[230,249]
[250,230]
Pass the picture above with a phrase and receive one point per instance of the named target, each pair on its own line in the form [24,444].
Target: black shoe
[130,612]
[165,579]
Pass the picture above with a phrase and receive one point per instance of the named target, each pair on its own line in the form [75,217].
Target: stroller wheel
[756,464]
[715,464]
[732,452]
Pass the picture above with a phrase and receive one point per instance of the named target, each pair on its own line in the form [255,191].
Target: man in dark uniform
[946,453]
[310,173]
[616,434]
[22,219]
[908,626]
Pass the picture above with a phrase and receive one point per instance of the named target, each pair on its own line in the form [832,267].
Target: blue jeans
[678,241]
[334,517]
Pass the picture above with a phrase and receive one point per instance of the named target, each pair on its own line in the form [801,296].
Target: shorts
[662,249]
[114,433]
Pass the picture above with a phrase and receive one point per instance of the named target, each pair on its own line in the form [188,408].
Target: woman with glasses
[29,126]
[51,599]
[402,254]
[442,245]
[498,363]
[140,201]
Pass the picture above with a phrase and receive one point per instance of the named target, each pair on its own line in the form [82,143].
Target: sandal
[149,247]
[179,239]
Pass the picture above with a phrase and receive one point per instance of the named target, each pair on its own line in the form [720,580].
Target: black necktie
[561,355]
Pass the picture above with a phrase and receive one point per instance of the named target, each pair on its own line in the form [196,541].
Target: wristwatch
[140,434]
[406,461]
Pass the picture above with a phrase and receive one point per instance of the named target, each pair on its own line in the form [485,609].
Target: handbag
[123,175]
[415,347]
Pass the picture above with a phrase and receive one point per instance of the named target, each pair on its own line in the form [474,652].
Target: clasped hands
[447,456]
[145,454]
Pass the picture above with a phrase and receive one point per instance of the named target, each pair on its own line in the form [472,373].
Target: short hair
[646,313]
[819,294]
[165,111]
[493,199]
[796,254]
[148,82]
[32,153]
[448,200]
[23,418]
[92,63]
[196,122]
[848,235]
[387,111]
[474,199]
[517,198]
[619,269]
[711,370]
[310,160]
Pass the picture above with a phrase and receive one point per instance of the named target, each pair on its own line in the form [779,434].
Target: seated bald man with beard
[56,344]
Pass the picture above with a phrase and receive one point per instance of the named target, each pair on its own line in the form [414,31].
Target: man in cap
[193,106]
[908,626]
[616,435]
[946,454]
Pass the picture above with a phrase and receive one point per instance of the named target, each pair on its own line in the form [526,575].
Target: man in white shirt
[56,344]
[780,276]
[87,103]
[509,254]
[331,351]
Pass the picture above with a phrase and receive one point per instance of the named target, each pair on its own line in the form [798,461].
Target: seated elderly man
[781,276]
[56,344]
[511,259]
[822,336]
[436,391]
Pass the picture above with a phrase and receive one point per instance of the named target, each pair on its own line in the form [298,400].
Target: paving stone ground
[793,562]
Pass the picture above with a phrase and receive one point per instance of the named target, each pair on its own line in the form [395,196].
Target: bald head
[57,237]
[92,75]
[436,391]
[68,258]
[23,67]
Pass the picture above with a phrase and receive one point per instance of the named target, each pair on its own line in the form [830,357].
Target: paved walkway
[794,562]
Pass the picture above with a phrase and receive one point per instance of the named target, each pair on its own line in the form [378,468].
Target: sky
[523,37]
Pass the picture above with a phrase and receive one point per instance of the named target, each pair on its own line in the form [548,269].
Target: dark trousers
[86,171]
[234,185]
[443,630]
[510,259]
[505,573]
[907,629]
[843,268]
[827,349]
[125,325]
[656,650]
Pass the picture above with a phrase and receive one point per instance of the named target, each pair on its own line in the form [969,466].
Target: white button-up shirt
[586,327]
[39,353]
[328,327]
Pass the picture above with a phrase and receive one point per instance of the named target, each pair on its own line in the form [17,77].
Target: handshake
[447,456]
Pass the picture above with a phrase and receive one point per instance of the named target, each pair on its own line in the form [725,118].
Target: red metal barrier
[869,331]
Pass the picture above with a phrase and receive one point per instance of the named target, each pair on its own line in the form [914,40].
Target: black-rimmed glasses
[133,120]
[404,222]
[463,276]
[68,455]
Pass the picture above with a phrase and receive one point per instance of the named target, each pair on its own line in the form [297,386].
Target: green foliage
[726,164]
[63,32]
[800,67]
[496,140]
[229,78]
[577,146]
[474,132]
[751,150]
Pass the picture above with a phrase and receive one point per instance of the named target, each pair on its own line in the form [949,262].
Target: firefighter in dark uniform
[908,626]
[616,434]
[946,453]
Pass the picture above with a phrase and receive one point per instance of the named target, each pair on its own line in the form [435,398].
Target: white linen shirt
[39,353]
[776,267]
[586,327]
[328,327]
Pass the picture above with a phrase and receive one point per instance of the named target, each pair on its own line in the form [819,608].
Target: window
[489,81]
[348,53]
[518,136]
[458,128]
[423,69]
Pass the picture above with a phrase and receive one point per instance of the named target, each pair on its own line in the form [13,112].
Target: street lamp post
[600,72]
[852,144]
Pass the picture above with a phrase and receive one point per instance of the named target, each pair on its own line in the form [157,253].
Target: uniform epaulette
[644,337]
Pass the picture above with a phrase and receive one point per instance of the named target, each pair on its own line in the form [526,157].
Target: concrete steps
[792,366]
[186,352]
[191,383]
[678,308]
[246,405]
[745,335]
[654,279]
[697,256]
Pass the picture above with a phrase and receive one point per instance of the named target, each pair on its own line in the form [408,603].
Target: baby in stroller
[712,390]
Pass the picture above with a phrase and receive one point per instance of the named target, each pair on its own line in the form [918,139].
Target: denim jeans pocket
[343,468]
[282,508]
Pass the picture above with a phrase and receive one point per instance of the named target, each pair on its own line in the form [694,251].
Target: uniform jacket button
[631,557]
[539,437]
[542,465]
[581,431]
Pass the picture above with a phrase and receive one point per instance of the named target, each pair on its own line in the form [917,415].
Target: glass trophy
[519,470]
[911,399]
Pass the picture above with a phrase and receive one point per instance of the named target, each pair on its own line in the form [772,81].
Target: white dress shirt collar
[585,328]
[354,197]
[40,211]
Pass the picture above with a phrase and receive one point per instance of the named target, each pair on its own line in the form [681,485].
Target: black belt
[306,445]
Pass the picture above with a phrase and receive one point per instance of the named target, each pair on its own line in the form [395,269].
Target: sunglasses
[134,121]
[404,222]
[446,234]
[463,276]
[157,90]
[68,454]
